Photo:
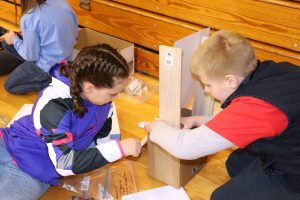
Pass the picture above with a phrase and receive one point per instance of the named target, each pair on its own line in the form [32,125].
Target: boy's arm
[244,121]
[194,121]
[188,143]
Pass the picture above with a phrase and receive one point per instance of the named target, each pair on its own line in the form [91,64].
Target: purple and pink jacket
[53,141]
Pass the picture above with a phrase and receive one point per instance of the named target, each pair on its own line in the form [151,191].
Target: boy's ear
[232,81]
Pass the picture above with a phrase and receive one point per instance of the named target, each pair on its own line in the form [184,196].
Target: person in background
[67,132]
[261,116]
[48,35]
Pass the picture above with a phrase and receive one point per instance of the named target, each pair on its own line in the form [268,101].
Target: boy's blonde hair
[224,52]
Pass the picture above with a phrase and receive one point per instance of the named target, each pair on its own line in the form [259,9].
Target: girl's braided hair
[100,65]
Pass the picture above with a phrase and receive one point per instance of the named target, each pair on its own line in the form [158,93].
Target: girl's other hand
[131,147]
[8,37]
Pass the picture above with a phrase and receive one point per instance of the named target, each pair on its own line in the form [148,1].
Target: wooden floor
[130,111]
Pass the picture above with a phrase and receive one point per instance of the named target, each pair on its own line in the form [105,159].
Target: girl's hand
[8,37]
[131,147]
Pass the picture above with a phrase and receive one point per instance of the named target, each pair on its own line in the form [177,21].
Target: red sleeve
[247,119]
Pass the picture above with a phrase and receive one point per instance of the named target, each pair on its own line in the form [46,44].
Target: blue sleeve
[29,47]
[56,122]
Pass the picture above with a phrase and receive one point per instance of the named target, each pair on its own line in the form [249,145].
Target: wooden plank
[151,30]
[146,61]
[268,21]
[267,52]
[261,17]
[10,104]
[148,36]
[285,3]
[9,26]
[14,1]
[134,25]
[170,95]
[161,164]
[7,12]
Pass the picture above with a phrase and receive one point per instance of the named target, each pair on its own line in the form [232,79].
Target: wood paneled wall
[7,12]
[271,25]
[272,22]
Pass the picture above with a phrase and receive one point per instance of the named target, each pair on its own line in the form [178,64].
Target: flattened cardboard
[87,37]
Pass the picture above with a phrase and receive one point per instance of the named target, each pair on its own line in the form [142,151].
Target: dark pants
[250,182]
[25,76]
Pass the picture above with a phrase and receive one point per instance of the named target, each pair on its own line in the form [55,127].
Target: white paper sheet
[24,110]
[161,193]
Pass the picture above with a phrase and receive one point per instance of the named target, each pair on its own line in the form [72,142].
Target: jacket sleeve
[28,47]
[56,122]
[188,143]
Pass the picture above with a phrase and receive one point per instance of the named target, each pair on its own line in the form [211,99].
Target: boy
[261,108]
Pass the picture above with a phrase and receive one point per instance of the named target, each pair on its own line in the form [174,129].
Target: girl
[57,138]
[48,33]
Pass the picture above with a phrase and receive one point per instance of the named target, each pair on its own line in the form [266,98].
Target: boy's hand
[131,147]
[149,126]
[187,122]
[191,122]
[8,37]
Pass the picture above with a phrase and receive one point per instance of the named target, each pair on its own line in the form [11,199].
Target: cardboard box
[88,37]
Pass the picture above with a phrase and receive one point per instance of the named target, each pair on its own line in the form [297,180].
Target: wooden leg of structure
[161,164]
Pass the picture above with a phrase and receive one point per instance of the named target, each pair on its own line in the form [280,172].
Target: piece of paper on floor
[142,124]
[144,141]
[161,193]
[24,110]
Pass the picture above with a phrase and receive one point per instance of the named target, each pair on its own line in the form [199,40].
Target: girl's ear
[232,81]
[87,87]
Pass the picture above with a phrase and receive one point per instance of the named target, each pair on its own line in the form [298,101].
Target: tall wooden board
[162,165]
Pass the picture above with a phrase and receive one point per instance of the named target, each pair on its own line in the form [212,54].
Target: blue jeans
[25,76]
[8,62]
[14,183]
